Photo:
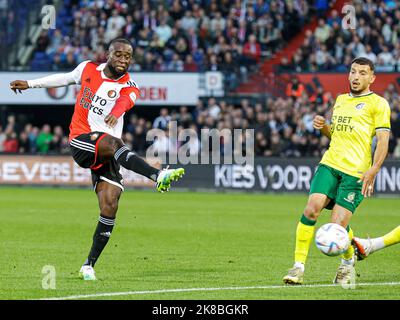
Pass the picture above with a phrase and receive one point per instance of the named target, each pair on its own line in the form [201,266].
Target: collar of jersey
[101,68]
[363,95]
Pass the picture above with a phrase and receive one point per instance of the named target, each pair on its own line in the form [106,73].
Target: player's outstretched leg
[364,247]
[108,196]
[113,147]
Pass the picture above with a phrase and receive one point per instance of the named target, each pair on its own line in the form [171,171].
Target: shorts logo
[350,197]
[94,136]
[112,94]
[360,106]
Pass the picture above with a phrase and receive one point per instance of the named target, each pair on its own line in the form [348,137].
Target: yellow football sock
[350,251]
[392,237]
[304,235]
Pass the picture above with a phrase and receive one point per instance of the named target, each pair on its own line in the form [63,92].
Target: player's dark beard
[116,74]
[356,92]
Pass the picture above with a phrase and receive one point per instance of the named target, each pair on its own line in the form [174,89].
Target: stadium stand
[217,35]
[283,127]
[191,36]
[331,47]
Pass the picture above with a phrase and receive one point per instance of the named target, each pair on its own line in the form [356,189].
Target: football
[332,239]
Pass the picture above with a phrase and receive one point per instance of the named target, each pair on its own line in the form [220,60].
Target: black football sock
[129,160]
[100,238]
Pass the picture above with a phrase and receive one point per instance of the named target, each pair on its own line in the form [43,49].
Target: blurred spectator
[190,65]
[161,122]
[23,143]
[213,63]
[10,144]
[32,136]
[294,88]
[139,143]
[114,24]
[64,146]
[44,138]
[42,42]
[322,31]
[269,37]
[230,69]
[70,62]
[188,21]
[185,119]
[385,60]
[164,31]
[56,140]
[213,108]
[252,50]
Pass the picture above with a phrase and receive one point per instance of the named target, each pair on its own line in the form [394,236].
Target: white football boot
[294,276]
[362,247]
[87,273]
[346,276]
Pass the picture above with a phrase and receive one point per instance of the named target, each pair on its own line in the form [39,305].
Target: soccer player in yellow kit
[346,173]
[364,247]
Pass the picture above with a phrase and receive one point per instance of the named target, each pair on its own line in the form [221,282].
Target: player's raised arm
[319,123]
[51,81]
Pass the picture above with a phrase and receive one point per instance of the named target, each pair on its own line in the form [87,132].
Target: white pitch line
[131,293]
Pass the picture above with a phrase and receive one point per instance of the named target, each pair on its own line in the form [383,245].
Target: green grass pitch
[180,240]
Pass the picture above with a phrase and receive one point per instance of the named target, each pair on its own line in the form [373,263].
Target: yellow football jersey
[353,125]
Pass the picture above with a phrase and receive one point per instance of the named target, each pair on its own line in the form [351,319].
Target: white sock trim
[377,244]
[349,262]
[299,265]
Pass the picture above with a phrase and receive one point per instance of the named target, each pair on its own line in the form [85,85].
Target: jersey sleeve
[59,79]
[126,100]
[131,90]
[76,74]
[382,115]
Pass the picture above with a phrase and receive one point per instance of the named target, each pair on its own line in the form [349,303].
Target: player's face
[120,57]
[360,78]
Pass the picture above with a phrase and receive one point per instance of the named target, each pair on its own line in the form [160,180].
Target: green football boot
[166,176]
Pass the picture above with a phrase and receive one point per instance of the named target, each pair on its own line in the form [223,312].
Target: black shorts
[84,152]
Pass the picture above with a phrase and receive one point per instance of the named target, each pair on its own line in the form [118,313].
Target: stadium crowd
[173,35]
[198,35]
[282,127]
[375,35]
